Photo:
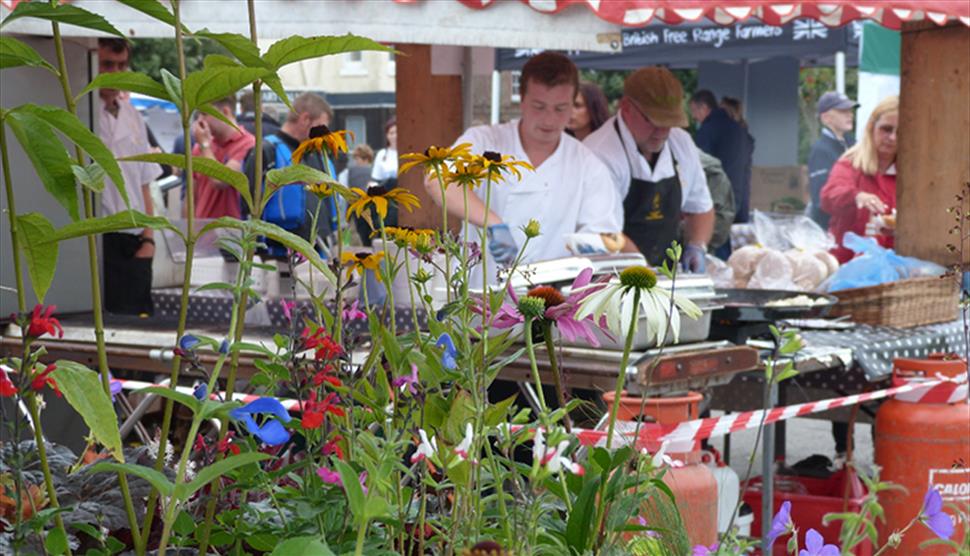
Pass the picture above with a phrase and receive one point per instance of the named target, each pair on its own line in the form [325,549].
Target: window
[357,124]
[353,64]
[516,97]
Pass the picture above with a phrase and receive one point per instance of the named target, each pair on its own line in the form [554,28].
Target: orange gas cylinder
[693,485]
[922,441]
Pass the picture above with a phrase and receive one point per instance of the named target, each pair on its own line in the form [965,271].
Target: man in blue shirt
[836,112]
[720,136]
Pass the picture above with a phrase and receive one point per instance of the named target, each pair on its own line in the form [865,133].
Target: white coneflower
[613,302]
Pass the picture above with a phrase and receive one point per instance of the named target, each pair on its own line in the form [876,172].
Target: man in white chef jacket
[570,190]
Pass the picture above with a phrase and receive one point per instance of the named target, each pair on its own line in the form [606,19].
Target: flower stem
[556,376]
[444,233]
[361,536]
[44,466]
[530,349]
[621,377]
[12,216]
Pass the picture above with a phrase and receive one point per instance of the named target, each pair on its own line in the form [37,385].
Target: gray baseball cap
[835,101]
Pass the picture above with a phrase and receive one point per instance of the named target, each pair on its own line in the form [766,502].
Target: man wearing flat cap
[656,169]
[836,112]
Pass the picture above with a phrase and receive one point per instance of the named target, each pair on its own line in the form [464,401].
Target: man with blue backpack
[291,207]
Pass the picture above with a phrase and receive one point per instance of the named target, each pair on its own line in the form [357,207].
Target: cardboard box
[779,188]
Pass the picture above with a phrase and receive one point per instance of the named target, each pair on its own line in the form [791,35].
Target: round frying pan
[743,305]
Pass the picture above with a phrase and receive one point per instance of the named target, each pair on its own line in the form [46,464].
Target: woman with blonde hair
[862,184]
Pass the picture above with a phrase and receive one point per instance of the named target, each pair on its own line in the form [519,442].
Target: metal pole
[768,469]
[840,71]
[496,96]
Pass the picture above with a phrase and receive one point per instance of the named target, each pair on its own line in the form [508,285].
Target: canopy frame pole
[496,107]
[840,71]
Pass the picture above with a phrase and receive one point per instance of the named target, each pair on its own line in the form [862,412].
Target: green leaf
[304,546]
[62,13]
[127,81]
[213,471]
[73,129]
[187,400]
[155,478]
[184,524]
[580,526]
[214,83]
[41,259]
[297,173]
[274,232]
[273,82]
[48,156]
[14,53]
[296,48]
[262,542]
[375,508]
[202,165]
[351,484]
[239,46]
[56,541]
[173,86]
[123,220]
[154,9]
[83,389]
[90,176]
[215,113]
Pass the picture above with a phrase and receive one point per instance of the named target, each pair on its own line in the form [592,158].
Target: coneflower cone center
[551,295]
[639,277]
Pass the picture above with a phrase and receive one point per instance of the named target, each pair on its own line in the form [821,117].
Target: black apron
[651,211]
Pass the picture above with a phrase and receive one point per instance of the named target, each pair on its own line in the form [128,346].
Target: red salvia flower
[44,379]
[322,344]
[41,322]
[325,376]
[227,444]
[333,447]
[314,411]
[7,388]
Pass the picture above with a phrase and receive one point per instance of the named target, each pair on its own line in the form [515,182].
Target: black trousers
[127,279]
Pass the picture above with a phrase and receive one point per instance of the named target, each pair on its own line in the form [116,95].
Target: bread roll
[831,263]
[613,242]
[743,262]
[807,271]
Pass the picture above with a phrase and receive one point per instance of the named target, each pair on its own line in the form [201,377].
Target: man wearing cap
[836,112]
[656,169]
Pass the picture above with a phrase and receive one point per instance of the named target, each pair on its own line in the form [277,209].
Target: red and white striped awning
[891,14]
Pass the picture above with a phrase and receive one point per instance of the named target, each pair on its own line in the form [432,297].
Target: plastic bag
[720,272]
[789,231]
[876,265]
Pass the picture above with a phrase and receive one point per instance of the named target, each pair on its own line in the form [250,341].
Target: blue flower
[224,347]
[815,546]
[450,354]
[272,431]
[188,342]
[201,391]
[781,523]
[933,515]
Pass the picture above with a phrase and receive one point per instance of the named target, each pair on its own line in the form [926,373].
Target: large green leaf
[165,392]
[41,259]
[155,478]
[90,176]
[580,526]
[296,48]
[173,86]
[215,113]
[239,46]
[215,470]
[297,173]
[273,82]
[14,53]
[202,165]
[216,82]
[50,159]
[73,129]
[304,546]
[274,232]
[63,13]
[355,494]
[117,222]
[155,9]
[127,81]
[84,391]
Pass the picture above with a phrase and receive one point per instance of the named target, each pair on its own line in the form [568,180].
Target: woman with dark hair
[590,110]
[385,161]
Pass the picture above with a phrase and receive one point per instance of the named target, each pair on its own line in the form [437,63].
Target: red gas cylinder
[923,441]
[693,485]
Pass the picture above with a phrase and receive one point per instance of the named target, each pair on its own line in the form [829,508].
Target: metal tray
[748,305]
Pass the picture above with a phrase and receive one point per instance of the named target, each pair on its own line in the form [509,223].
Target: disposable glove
[501,244]
[693,259]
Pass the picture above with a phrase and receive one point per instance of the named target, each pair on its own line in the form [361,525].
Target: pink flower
[408,382]
[288,306]
[328,476]
[352,312]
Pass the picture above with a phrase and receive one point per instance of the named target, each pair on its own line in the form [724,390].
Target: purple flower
[449,357]
[701,550]
[353,312]
[201,391]
[815,546]
[328,476]
[271,431]
[115,387]
[781,523]
[408,382]
[362,478]
[288,306]
[933,516]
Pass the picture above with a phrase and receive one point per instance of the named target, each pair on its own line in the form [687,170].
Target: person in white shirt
[656,169]
[126,256]
[385,161]
[565,193]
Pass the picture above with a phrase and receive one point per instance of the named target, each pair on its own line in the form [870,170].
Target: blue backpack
[287,205]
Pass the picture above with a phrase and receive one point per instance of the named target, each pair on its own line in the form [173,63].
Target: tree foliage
[152,55]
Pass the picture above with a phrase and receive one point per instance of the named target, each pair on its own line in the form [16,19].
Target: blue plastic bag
[876,265]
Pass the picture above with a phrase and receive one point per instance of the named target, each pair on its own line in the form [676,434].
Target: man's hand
[693,259]
[146,251]
[201,132]
[501,244]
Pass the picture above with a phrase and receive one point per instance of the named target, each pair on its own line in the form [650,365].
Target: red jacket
[838,199]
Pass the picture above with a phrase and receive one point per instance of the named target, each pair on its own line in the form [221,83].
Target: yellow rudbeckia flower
[321,137]
[466,171]
[378,196]
[500,166]
[434,158]
[361,262]
[419,239]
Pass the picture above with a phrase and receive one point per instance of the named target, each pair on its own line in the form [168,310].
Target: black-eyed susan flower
[419,239]
[361,262]
[322,137]
[465,171]
[434,158]
[327,188]
[498,166]
[378,196]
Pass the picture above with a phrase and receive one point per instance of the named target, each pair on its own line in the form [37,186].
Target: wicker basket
[901,304]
